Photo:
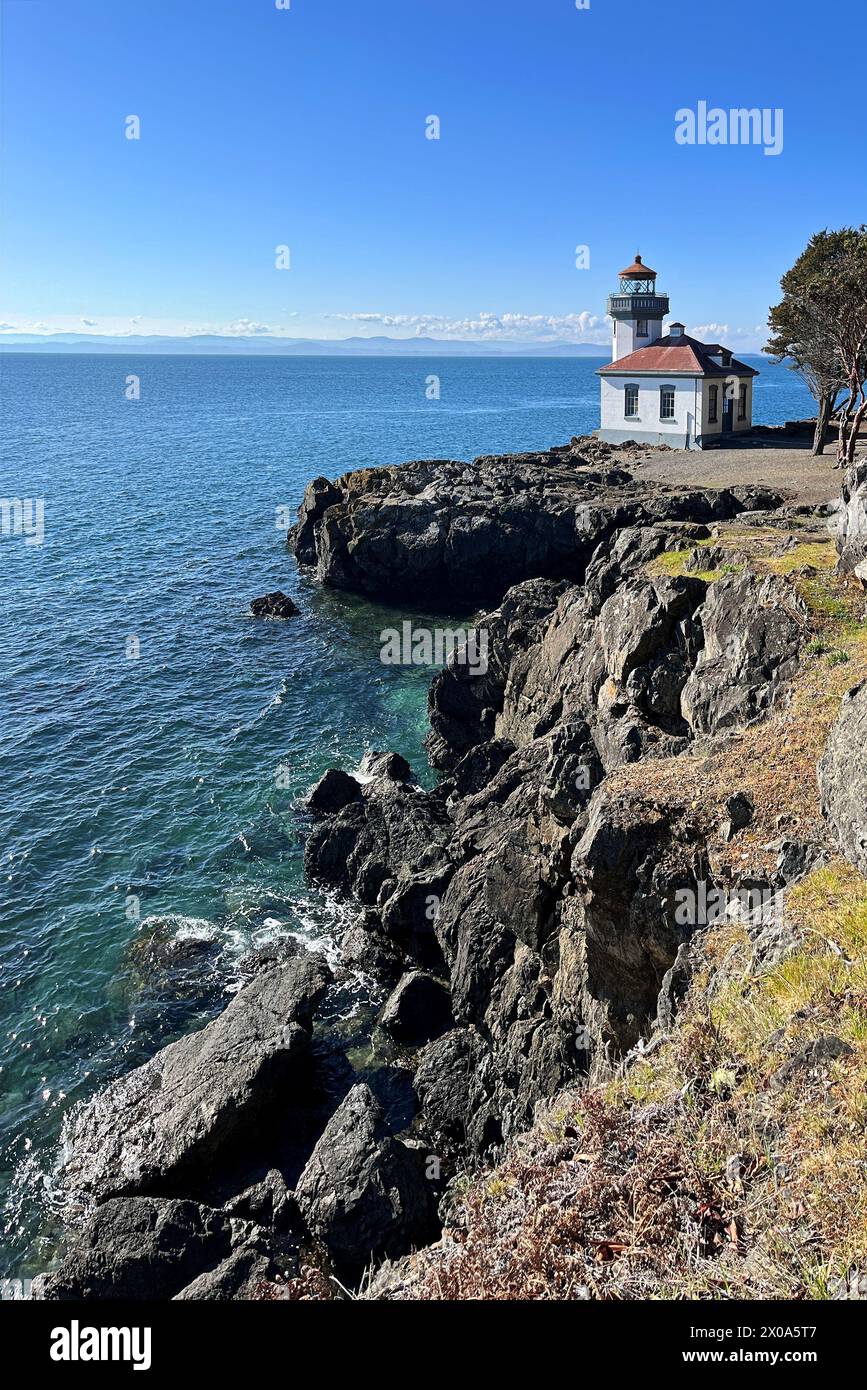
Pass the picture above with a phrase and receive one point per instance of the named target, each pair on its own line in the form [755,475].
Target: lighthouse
[637,310]
[667,388]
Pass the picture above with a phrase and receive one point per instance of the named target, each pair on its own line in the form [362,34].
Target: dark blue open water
[155,778]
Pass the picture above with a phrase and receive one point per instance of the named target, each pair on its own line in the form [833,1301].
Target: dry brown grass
[596,1211]
[694,1174]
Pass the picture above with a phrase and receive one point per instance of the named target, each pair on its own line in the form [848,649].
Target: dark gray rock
[632,549]
[334,790]
[797,858]
[166,1126]
[268,954]
[843,777]
[392,827]
[453,1085]
[363,1192]
[365,948]
[753,628]
[675,983]
[739,811]
[139,1247]
[553,899]
[623,932]
[464,533]
[703,558]
[239,1276]
[390,765]
[479,765]
[408,909]
[752,498]
[814,1056]
[852,523]
[267,1203]
[318,497]
[544,892]
[274,605]
[464,704]
[617,673]
[417,1009]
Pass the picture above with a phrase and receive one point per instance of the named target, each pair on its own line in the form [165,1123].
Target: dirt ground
[783,465]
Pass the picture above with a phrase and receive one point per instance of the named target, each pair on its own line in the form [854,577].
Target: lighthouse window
[631,401]
[641,328]
[666,403]
[742,403]
[713,406]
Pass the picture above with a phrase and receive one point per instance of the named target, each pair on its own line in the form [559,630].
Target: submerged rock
[170,959]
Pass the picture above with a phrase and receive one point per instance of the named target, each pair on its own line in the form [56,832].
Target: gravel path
[788,467]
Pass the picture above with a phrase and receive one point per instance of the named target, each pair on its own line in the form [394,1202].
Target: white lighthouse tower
[637,310]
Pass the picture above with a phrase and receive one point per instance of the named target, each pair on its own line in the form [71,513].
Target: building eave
[655,372]
[722,372]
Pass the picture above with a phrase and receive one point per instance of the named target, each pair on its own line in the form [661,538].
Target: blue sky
[305,127]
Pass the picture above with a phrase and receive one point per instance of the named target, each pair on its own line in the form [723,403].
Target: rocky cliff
[626,770]
[452,533]
[852,522]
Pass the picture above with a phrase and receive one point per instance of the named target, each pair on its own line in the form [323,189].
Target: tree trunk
[846,410]
[854,428]
[823,414]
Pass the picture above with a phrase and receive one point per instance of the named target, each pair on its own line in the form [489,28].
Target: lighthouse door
[727,414]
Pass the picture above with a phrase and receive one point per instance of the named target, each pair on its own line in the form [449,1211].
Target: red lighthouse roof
[637,271]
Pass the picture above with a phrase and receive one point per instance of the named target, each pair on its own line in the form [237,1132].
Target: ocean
[156,741]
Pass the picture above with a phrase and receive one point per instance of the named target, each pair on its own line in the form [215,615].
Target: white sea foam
[185,928]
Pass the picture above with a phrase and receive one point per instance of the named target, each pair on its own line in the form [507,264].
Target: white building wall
[687,407]
[626,338]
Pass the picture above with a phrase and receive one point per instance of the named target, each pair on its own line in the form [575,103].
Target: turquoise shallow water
[155,778]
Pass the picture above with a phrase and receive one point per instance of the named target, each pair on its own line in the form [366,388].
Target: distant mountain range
[215,343]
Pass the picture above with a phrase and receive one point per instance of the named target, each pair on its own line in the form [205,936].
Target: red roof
[638,271]
[680,354]
[657,359]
